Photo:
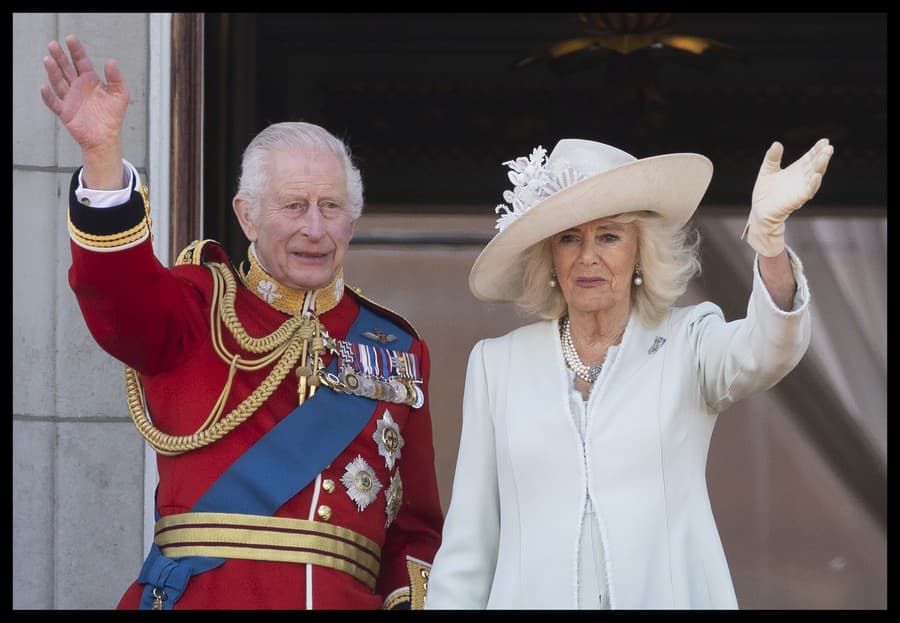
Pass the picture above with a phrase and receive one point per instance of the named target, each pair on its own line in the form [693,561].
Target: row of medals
[399,390]
[396,389]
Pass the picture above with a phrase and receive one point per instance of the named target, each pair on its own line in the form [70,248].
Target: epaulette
[364,300]
[200,251]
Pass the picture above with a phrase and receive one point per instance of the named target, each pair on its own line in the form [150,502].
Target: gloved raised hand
[778,192]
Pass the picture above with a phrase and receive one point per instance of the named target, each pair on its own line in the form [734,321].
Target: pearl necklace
[587,373]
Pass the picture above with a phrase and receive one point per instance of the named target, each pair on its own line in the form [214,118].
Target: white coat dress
[511,535]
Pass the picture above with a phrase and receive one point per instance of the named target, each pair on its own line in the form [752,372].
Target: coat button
[324,512]
[328,485]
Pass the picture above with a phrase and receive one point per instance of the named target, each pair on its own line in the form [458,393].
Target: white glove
[778,192]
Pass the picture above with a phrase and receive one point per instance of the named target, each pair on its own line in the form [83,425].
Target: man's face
[302,227]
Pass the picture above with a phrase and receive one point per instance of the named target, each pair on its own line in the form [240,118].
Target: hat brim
[671,185]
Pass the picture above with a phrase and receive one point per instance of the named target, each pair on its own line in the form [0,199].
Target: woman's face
[595,263]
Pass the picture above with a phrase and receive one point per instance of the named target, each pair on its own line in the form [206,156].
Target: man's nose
[313,226]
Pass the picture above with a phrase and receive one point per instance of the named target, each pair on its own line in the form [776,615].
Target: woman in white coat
[581,475]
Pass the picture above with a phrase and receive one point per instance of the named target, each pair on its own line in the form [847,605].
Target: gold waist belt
[278,539]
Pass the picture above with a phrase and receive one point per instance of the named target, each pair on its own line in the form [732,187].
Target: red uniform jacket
[157,321]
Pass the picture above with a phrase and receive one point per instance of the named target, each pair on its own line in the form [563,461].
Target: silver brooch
[393,497]
[388,439]
[659,341]
[361,483]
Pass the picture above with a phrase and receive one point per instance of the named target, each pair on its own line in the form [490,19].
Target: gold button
[328,485]
[86,201]
[324,512]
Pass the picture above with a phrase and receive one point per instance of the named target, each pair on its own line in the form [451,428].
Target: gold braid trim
[288,300]
[418,571]
[284,344]
[145,196]
[399,597]
[110,241]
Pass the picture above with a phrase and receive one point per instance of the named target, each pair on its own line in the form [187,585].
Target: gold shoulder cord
[295,337]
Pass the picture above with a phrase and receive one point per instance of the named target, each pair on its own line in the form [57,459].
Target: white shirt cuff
[108,198]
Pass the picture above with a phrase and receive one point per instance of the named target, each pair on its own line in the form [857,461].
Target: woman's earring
[638,280]
[553,278]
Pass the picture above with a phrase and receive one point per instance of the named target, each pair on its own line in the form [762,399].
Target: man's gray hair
[294,135]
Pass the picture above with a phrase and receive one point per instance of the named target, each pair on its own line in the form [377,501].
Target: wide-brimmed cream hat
[580,181]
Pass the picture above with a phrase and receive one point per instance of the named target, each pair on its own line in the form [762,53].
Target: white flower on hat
[533,181]
[580,181]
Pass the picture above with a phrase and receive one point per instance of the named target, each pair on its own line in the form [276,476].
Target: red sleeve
[139,311]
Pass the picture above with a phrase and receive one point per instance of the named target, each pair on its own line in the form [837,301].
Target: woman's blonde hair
[669,258]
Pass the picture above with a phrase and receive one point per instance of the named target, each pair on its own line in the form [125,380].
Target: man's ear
[242,211]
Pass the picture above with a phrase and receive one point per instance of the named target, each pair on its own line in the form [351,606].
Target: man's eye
[296,206]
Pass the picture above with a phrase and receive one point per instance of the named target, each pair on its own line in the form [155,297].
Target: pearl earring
[553,278]
[638,280]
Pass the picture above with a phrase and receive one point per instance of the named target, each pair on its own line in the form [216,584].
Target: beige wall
[78,468]
[428,286]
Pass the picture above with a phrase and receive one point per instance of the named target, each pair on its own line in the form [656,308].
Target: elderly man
[289,414]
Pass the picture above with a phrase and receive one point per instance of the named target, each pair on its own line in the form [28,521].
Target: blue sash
[278,466]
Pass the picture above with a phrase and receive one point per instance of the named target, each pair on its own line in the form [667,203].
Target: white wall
[78,473]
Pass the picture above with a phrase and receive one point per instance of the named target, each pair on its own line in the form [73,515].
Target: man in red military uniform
[289,413]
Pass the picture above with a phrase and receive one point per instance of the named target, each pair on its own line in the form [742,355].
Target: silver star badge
[361,483]
[393,497]
[388,439]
